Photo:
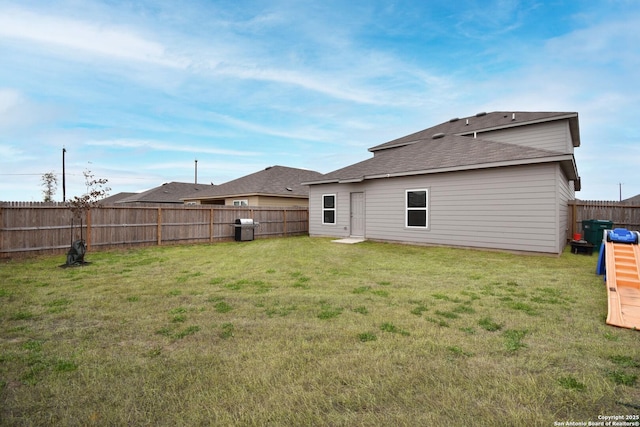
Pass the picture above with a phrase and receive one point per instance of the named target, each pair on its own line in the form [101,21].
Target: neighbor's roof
[171,192]
[483,122]
[115,198]
[278,181]
[635,200]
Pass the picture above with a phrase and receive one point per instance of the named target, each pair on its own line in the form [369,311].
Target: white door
[357,214]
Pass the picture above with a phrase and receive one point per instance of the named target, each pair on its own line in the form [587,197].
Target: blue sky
[137,91]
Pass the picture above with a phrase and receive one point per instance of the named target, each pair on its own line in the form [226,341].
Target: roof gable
[483,122]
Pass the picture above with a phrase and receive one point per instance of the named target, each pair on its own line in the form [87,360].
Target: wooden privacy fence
[622,215]
[38,228]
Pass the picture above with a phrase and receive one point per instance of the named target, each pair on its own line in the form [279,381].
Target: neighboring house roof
[280,181]
[635,200]
[421,153]
[486,122]
[115,198]
[171,192]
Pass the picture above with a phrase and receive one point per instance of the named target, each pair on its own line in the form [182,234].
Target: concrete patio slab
[350,240]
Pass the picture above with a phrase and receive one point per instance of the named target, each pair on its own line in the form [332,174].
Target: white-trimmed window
[417,208]
[244,202]
[328,208]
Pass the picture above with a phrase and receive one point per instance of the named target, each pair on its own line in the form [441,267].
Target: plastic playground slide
[619,261]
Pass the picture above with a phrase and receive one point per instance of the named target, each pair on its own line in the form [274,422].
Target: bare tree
[50,184]
[96,190]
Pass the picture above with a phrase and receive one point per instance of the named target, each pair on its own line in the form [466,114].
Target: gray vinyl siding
[565,195]
[553,136]
[343,204]
[515,208]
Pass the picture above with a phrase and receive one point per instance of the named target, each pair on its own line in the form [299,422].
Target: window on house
[241,203]
[417,208]
[328,208]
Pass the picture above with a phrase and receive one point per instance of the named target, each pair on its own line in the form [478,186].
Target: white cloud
[88,37]
[17,111]
[163,146]
[296,134]
[10,154]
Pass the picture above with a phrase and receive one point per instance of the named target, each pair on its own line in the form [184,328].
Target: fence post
[284,221]
[88,221]
[159,233]
[1,227]
[211,225]
[574,211]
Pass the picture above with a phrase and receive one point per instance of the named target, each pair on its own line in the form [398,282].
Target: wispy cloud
[83,36]
[18,112]
[9,154]
[292,133]
[344,79]
[166,147]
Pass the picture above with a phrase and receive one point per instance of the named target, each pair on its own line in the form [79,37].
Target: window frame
[426,208]
[334,209]
[241,202]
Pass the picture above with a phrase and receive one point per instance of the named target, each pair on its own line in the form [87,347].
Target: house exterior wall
[281,201]
[566,194]
[516,208]
[266,201]
[554,136]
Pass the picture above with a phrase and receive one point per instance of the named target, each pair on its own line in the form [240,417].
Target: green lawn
[303,331]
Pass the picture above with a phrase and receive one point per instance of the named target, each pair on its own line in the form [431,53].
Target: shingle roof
[171,192]
[448,152]
[115,198]
[421,153]
[485,122]
[279,181]
[635,200]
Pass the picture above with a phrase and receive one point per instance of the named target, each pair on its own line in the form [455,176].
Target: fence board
[39,228]
[622,215]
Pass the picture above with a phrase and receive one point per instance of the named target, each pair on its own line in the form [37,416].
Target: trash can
[594,230]
[244,229]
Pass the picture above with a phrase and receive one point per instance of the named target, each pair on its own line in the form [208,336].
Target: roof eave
[568,116]
[322,181]
[539,160]
[234,196]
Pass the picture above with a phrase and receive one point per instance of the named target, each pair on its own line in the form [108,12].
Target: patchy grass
[302,331]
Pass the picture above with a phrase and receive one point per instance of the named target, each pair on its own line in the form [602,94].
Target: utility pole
[196,171]
[64,189]
[620,186]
